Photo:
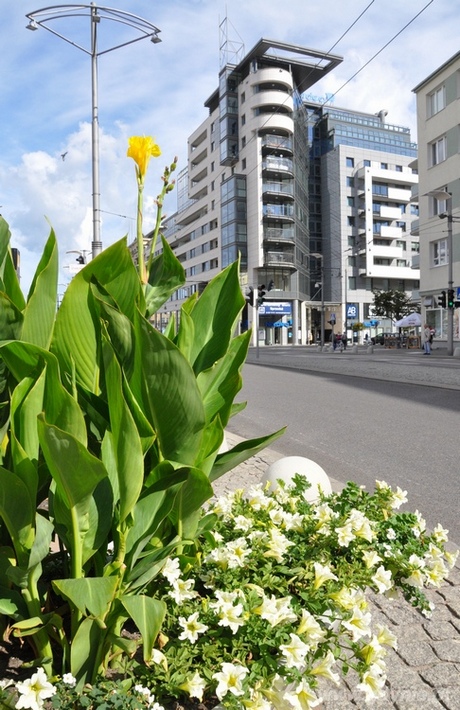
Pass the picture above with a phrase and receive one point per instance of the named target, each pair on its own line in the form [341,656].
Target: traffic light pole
[256,318]
[450,281]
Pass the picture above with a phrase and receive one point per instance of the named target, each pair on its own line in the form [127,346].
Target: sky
[160,90]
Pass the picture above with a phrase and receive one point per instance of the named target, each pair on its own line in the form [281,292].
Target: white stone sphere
[284,469]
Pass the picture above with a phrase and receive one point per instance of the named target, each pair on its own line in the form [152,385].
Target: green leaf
[220,384]
[11,319]
[85,651]
[75,471]
[166,276]
[187,507]
[8,275]
[242,452]
[40,312]
[92,595]
[214,316]
[125,438]
[77,330]
[166,385]
[18,513]
[148,615]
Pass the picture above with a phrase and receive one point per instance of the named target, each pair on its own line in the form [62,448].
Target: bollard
[284,469]
[457,352]
[370,349]
[354,349]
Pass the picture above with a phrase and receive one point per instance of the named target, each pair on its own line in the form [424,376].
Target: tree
[392,304]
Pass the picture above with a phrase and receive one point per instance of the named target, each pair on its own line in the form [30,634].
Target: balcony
[280,189]
[278,211]
[279,258]
[281,144]
[279,234]
[278,165]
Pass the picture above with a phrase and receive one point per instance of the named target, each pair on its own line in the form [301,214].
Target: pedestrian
[426,340]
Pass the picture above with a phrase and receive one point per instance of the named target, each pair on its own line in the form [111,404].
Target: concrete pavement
[395,365]
[424,671]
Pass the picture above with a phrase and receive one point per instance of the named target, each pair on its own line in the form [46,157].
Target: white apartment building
[315,200]
[245,190]
[367,217]
[438,112]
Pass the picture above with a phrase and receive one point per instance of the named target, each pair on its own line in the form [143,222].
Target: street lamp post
[447,197]
[95,13]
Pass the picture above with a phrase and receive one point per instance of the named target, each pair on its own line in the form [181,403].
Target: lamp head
[32,25]
[155,39]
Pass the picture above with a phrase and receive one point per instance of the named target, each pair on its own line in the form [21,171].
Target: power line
[377,53]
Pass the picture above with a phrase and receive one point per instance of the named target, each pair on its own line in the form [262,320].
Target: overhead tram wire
[377,53]
[357,72]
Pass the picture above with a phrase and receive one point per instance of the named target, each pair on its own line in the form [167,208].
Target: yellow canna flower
[141,149]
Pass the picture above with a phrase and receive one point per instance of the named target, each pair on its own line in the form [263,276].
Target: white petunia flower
[323,573]
[241,522]
[69,680]
[345,535]
[171,570]
[295,652]
[372,683]
[231,616]
[182,589]
[371,558]
[194,686]
[34,691]
[302,698]
[440,534]
[358,625]
[382,579]
[278,544]
[275,611]
[324,668]
[191,628]
[230,680]
[310,628]
[399,497]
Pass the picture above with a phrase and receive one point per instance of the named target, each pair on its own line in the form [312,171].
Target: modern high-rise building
[438,106]
[314,200]
[361,183]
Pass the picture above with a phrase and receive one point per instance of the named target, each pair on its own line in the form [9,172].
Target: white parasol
[412,320]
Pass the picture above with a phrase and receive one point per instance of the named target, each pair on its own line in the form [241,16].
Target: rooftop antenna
[231,51]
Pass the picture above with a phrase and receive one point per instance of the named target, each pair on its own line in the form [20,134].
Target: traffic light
[261,296]
[450,298]
[442,299]
[249,296]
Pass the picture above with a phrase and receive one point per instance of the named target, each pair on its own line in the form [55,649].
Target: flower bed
[277,600]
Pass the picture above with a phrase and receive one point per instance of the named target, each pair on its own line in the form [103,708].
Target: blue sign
[352,310]
[275,308]
[458,293]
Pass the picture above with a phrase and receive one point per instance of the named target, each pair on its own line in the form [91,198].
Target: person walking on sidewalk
[427,340]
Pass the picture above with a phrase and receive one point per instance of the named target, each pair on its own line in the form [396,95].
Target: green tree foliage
[392,304]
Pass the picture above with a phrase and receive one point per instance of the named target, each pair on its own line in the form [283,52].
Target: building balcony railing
[278,165]
[278,234]
[279,188]
[278,211]
[278,258]
[280,143]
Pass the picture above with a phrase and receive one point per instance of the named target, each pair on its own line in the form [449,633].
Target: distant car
[378,339]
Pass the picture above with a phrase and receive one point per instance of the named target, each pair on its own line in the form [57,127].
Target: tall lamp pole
[95,13]
[446,196]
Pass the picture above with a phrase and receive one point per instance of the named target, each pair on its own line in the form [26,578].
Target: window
[350,162]
[243,97]
[367,163]
[351,221]
[213,146]
[437,151]
[243,119]
[439,252]
[415,247]
[243,142]
[384,166]
[212,185]
[350,201]
[436,101]
[398,168]
[350,182]
[243,164]
[401,262]
[212,166]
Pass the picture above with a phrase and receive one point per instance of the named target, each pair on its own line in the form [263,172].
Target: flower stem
[140,237]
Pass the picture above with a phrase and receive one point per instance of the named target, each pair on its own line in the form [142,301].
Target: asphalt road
[363,428]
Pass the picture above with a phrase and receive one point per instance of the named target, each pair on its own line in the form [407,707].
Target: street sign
[352,311]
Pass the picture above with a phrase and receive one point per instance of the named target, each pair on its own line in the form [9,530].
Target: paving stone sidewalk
[424,671]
